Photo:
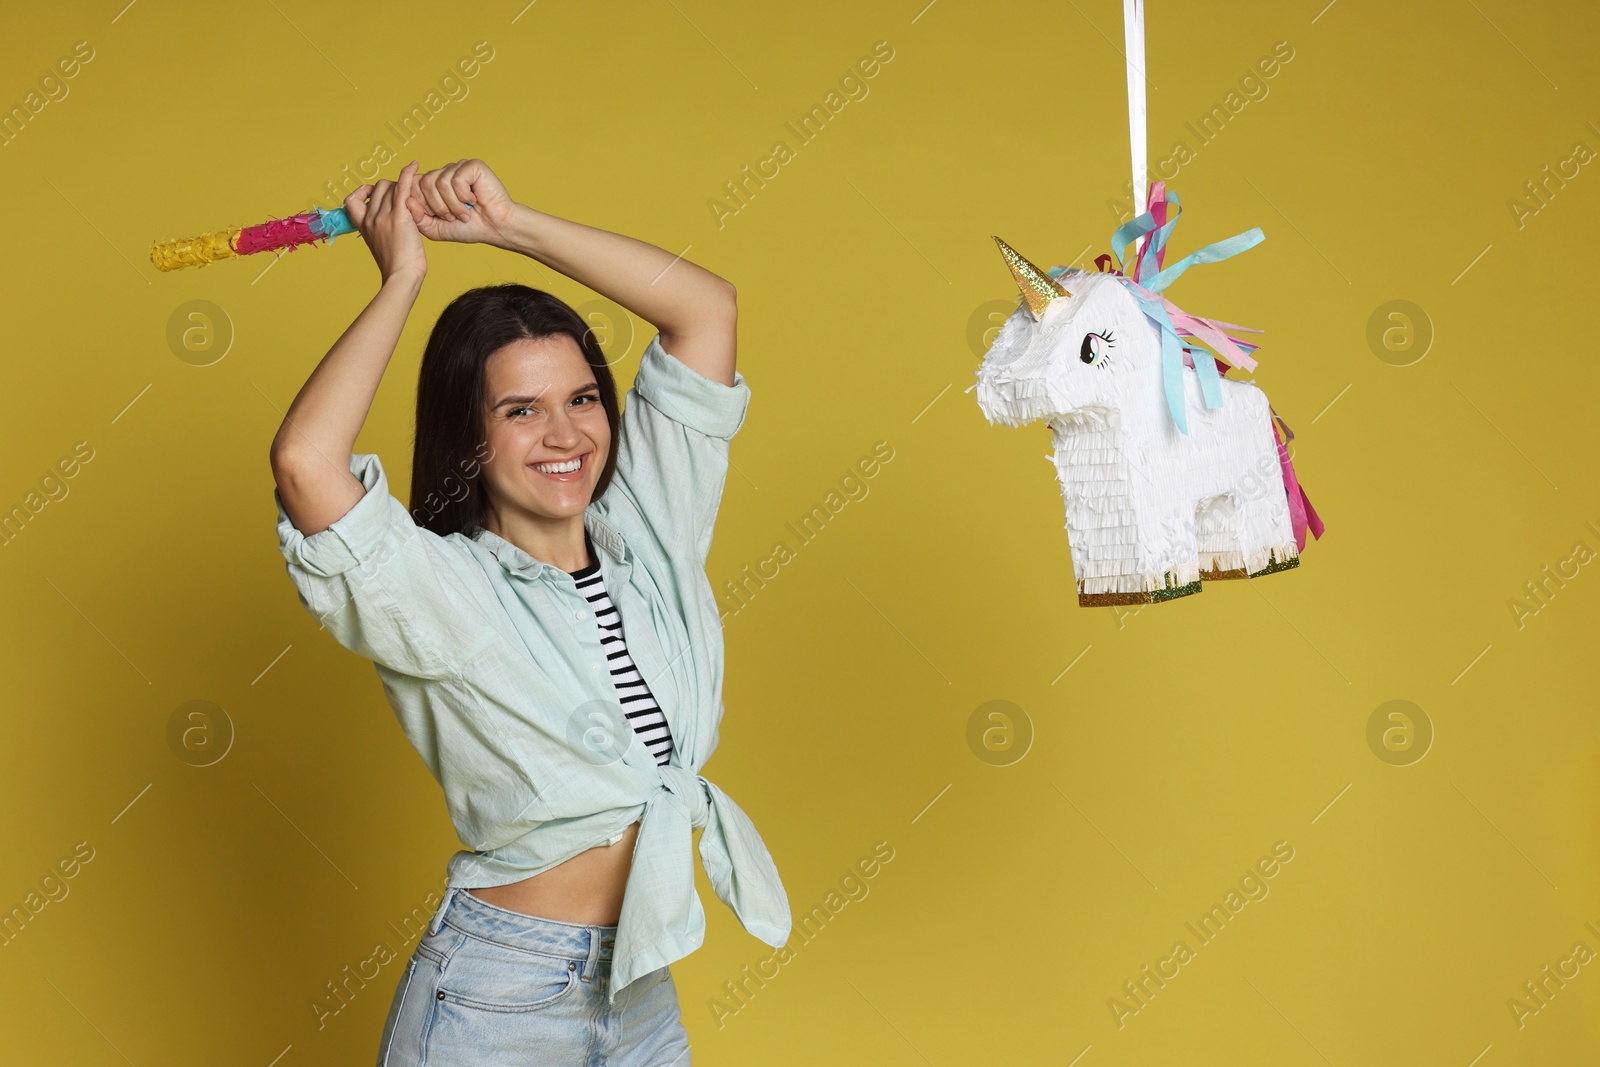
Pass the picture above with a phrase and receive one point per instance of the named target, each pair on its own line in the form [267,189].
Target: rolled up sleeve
[355,538]
[384,587]
[688,397]
[672,460]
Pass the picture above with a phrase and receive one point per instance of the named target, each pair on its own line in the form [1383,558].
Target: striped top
[638,705]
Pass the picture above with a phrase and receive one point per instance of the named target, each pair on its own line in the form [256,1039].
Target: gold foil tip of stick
[194,251]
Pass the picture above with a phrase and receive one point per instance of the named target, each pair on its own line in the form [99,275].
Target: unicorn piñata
[1154,504]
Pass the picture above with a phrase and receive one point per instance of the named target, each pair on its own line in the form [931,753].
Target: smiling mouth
[563,475]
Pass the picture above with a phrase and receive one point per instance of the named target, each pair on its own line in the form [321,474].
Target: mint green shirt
[492,662]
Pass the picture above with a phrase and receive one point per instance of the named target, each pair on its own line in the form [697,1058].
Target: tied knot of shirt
[670,913]
[690,790]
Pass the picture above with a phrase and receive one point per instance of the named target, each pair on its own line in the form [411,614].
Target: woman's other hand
[463,202]
[381,212]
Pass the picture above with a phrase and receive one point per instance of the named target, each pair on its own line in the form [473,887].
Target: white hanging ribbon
[1133,41]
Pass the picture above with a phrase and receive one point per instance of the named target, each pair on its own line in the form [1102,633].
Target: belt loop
[592,964]
[438,916]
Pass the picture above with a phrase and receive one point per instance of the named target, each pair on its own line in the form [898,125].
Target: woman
[541,621]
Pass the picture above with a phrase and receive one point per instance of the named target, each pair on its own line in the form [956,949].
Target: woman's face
[541,407]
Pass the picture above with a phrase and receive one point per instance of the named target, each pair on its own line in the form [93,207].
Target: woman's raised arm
[693,309]
[311,453]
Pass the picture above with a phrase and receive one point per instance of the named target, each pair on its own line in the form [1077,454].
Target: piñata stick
[279,233]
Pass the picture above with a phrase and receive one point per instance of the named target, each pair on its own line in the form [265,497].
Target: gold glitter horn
[1038,288]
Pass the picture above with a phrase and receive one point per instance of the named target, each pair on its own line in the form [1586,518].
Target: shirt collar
[601,531]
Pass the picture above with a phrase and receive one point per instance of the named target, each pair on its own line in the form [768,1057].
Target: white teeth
[559,468]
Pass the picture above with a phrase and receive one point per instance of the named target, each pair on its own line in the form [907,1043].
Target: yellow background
[1186,738]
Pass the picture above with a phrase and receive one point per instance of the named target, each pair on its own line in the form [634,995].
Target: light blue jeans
[487,987]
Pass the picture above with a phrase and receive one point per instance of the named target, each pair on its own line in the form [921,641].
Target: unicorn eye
[1096,347]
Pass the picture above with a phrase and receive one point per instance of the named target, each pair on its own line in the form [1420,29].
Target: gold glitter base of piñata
[1171,590]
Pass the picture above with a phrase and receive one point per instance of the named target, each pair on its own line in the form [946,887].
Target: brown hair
[447,495]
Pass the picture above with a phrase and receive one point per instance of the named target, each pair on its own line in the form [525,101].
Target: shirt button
[594,666]
[582,614]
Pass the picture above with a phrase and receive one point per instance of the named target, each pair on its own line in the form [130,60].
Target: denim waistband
[575,941]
